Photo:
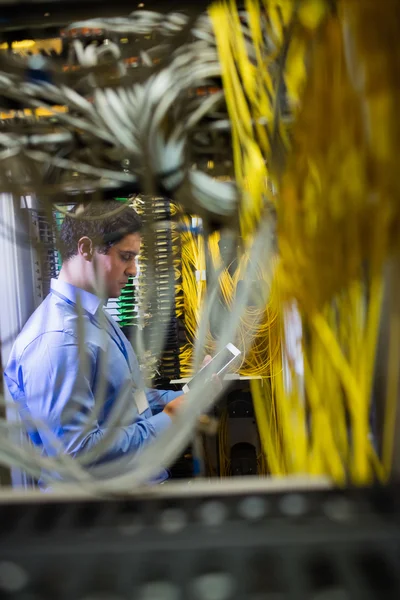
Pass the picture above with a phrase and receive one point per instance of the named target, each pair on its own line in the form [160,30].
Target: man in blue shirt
[72,371]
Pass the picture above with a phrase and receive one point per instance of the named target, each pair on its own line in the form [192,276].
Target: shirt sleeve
[158,399]
[58,382]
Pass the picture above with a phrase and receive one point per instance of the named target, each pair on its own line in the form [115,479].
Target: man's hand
[172,407]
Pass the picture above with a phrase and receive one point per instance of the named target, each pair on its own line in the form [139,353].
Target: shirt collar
[90,302]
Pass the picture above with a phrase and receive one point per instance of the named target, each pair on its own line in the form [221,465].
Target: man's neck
[72,275]
[75,281]
[80,274]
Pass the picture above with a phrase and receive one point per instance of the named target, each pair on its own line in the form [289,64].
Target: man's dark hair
[105,223]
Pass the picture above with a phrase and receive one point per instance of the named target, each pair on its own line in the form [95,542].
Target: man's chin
[118,289]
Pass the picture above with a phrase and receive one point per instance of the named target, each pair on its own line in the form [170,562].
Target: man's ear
[85,248]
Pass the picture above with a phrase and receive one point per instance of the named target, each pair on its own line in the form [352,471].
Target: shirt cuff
[160,422]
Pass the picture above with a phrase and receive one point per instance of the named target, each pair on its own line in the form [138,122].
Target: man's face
[119,264]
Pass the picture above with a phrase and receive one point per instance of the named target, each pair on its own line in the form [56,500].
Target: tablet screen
[218,365]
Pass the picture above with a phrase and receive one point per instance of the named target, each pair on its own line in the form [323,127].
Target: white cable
[64,163]
[114,125]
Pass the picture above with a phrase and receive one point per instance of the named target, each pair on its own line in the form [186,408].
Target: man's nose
[131,269]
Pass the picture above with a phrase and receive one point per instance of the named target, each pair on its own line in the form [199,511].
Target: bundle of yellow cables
[193,270]
[337,209]
[258,332]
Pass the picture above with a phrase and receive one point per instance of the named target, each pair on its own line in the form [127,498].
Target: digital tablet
[218,365]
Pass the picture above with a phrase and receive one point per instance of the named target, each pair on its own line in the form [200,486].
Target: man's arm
[59,391]
[158,399]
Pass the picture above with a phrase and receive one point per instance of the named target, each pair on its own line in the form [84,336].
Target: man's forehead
[130,243]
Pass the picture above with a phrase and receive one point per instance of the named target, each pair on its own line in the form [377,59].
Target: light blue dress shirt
[56,382]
